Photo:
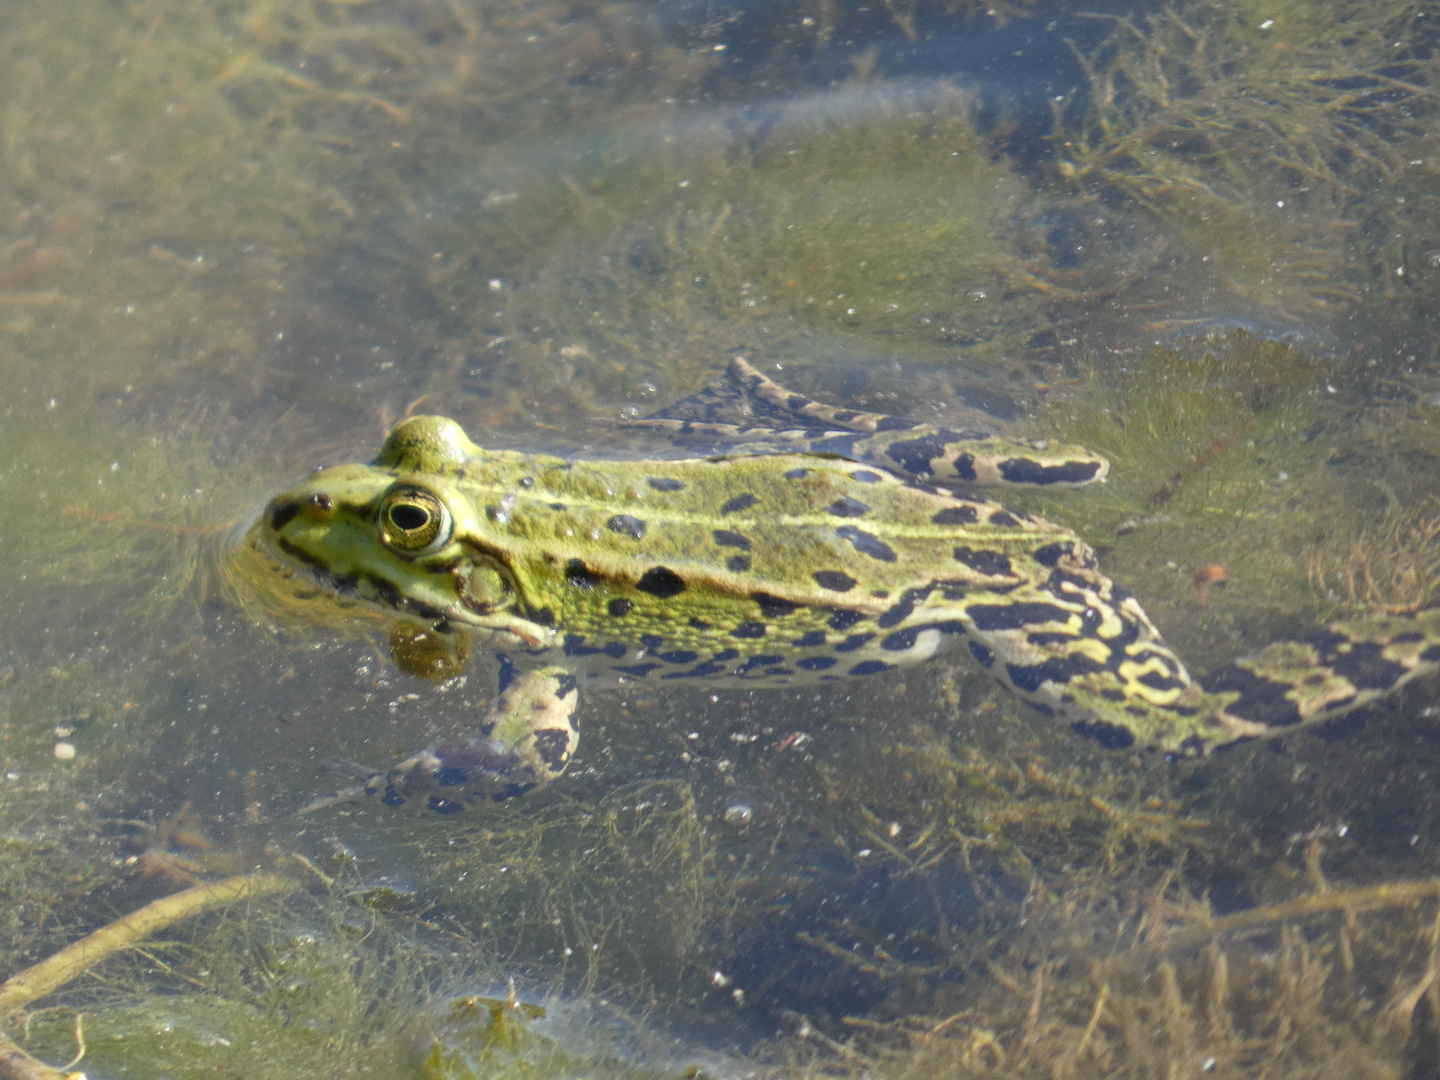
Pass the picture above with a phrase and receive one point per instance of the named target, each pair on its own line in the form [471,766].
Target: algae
[1258,133]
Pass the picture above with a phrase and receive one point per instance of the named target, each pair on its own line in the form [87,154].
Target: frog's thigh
[532,722]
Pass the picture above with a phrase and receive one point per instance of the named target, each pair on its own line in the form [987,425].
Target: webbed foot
[526,741]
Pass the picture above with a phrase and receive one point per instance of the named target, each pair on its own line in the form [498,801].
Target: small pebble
[65,751]
[738,815]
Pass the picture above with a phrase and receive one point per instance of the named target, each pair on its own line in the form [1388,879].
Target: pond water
[240,239]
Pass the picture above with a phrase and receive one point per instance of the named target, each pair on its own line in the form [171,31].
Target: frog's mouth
[284,580]
[280,591]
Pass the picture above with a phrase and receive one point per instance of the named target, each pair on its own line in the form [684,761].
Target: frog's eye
[413,522]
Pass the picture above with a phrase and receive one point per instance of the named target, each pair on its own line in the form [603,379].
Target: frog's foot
[526,742]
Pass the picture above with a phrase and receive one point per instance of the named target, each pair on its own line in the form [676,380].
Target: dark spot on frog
[553,746]
[796,474]
[541,616]
[738,503]
[699,671]
[811,639]
[726,538]
[773,607]
[1027,471]
[983,656]
[915,455]
[956,515]
[843,619]
[853,642]
[1004,519]
[897,614]
[964,466]
[984,562]
[620,607]
[1157,681]
[699,624]
[749,630]
[651,641]
[988,617]
[661,581]
[626,525]
[738,564]
[848,508]
[901,640]
[665,483]
[865,476]
[580,575]
[834,580]
[816,663]
[1051,554]
[575,646]
[870,667]
[679,656]
[1028,678]
[866,543]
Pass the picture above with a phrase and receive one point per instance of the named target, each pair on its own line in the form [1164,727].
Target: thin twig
[1369,898]
[79,957]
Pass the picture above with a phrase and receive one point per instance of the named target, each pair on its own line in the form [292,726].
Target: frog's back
[777,567]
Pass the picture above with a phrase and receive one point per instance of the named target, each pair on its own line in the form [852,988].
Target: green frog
[844,550]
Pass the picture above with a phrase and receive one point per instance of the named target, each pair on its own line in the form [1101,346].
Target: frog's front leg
[526,741]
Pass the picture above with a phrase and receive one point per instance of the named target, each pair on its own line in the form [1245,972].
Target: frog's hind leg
[1326,674]
[924,451]
[526,741]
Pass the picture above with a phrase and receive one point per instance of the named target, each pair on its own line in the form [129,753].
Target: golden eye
[413,522]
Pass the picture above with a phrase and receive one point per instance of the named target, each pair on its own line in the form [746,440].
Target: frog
[823,544]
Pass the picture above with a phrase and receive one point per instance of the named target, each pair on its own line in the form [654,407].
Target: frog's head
[398,534]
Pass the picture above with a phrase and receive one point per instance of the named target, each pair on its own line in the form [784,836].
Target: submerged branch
[79,957]
[1367,898]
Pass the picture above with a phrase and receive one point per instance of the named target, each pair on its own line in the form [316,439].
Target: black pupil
[409,517]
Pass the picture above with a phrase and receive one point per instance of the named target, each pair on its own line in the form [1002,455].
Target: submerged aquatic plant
[1392,567]
[1259,133]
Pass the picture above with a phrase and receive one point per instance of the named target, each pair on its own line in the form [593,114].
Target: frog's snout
[284,509]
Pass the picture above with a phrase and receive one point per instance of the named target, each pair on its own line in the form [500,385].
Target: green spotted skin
[784,568]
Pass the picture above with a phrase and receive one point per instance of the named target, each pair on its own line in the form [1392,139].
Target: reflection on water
[239,240]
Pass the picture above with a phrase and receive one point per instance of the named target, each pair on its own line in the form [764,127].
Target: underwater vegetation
[1395,567]
[1259,134]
